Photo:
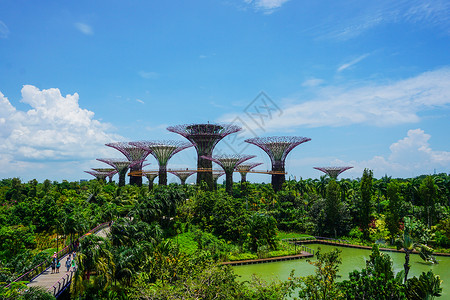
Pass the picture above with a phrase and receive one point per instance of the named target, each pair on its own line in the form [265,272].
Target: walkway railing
[61,285]
[34,272]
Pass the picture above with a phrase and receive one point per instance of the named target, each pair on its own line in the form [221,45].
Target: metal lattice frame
[229,163]
[278,147]
[121,165]
[151,175]
[243,169]
[204,137]
[183,175]
[162,151]
[333,172]
[132,153]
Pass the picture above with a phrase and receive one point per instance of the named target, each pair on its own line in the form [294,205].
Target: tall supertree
[162,151]
[229,164]
[278,147]
[243,169]
[151,175]
[121,165]
[111,172]
[132,153]
[182,174]
[204,137]
[333,172]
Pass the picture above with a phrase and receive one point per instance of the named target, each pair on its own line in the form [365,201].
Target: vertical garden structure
[229,164]
[333,172]
[100,176]
[151,175]
[111,172]
[243,169]
[278,147]
[215,175]
[182,174]
[204,137]
[133,154]
[162,151]
[121,166]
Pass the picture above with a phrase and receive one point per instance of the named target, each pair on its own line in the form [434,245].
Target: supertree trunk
[205,176]
[162,175]
[122,175]
[136,180]
[243,177]
[229,182]
[278,179]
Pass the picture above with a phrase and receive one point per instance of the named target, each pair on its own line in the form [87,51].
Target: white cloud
[55,129]
[312,82]
[84,28]
[266,5]
[4,31]
[434,14]
[352,62]
[410,156]
[140,101]
[375,104]
[148,75]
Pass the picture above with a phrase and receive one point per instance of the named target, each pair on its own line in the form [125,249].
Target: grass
[293,235]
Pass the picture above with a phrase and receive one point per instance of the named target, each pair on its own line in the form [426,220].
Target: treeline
[143,256]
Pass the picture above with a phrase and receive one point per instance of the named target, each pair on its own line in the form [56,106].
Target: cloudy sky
[368,82]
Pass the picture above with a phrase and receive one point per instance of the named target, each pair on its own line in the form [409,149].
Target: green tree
[365,204]
[427,286]
[323,285]
[393,213]
[428,194]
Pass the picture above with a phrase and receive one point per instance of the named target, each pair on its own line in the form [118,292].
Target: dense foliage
[167,241]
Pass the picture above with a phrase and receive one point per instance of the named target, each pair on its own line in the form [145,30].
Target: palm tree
[408,245]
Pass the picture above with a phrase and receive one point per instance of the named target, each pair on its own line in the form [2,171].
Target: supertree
[215,175]
[333,172]
[229,163]
[162,151]
[100,176]
[204,137]
[132,153]
[121,165]
[111,172]
[151,175]
[182,174]
[243,169]
[278,147]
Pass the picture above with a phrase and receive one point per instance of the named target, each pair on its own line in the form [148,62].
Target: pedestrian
[53,266]
[74,264]
[68,263]
[58,265]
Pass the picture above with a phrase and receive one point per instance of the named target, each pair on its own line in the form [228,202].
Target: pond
[352,259]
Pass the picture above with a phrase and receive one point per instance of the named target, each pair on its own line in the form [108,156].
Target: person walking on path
[58,265]
[68,263]
[74,264]
[53,265]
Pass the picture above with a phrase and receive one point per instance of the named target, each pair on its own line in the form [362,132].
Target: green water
[352,259]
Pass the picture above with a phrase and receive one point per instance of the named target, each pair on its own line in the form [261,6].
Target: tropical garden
[170,242]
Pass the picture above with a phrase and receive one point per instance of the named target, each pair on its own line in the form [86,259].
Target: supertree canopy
[121,165]
[162,151]
[111,172]
[182,174]
[100,176]
[243,169]
[204,137]
[278,147]
[229,163]
[151,175]
[132,153]
[333,172]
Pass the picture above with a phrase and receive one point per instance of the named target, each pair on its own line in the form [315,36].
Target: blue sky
[369,83]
